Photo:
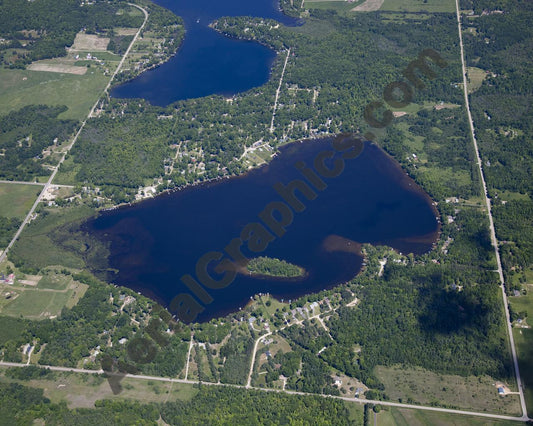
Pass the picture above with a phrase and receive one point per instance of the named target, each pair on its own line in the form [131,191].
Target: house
[501,391]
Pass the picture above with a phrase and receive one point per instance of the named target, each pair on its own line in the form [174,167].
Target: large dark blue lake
[154,243]
[207,62]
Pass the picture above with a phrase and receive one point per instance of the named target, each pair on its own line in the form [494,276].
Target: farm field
[17,199]
[38,303]
[343,7]
[431,6]
[19,88]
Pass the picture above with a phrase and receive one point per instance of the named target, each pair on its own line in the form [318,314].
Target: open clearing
[60,68]
[475,78]
[19,88]
[368,6]
[82,390]
[425,387]
[342,7]
[431,6]
[524,344]
[16,199]
[38,303]
[90,42]
[407,417]
[125,31]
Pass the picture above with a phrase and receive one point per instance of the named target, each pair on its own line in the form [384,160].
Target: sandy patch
[125,31]
[368,6]
[32,280]
[90,42]
[399,113]
[61,68]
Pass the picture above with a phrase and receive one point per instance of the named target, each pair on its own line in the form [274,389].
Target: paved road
[491,221]
[288,392]
[56,168]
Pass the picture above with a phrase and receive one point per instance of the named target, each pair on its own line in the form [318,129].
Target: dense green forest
[8,226]
[274,267]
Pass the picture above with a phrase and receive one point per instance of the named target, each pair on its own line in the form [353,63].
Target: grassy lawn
[406,417]
[524,346]
[54,281]
[356,413]
[475,78]
[16,199]
[426,387]
[431,6]
[19,88]
[35,304]
[342,7]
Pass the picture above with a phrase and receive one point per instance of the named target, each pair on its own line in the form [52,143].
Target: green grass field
[475,78]
[431,6]
[54,281]
[426,387]
[35,304]
[342,7]
[524,347]
[19,88]
[16,199]
[406,417]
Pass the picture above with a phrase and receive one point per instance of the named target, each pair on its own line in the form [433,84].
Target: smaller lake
[207,63]
[155,243]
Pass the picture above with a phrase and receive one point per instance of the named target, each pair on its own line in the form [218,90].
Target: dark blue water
[156,242]
[207,62]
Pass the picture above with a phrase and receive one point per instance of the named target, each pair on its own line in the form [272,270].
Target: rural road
[56,168]
[491,221]
[288,392]
[249,381]
[278,90]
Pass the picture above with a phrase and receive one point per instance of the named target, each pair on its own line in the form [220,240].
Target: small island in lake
[272,267]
